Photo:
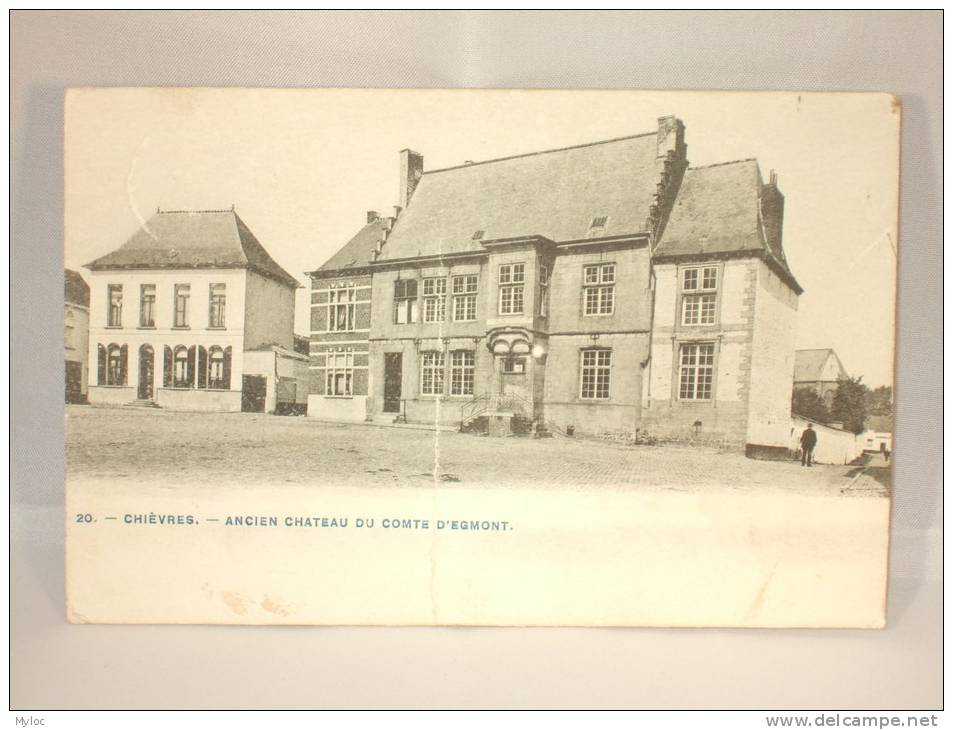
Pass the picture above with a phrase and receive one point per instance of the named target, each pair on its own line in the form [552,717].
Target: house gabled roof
[357,252]
[76,290]
[216,239]
[555,194]
[809,365]
[718,211]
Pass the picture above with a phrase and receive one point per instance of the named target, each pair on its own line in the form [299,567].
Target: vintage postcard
[479,357]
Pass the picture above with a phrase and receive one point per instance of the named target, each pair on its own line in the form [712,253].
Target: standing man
[808,442]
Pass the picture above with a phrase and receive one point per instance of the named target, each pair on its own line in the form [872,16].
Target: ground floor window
[595,374]
[197,367]
[462,366]
[431,373]
[697,371]
[340,373]
[112,364]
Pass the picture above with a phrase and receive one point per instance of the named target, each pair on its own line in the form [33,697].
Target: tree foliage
[850,404]
[807,403]
[880,401]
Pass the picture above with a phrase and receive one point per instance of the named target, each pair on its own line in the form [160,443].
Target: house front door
[515,388]
[393,372]
[146,372]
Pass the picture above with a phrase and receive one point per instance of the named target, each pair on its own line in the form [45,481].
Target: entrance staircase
[521,411]
[142,403]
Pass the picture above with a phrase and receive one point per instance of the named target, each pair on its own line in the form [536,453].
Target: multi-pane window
[462,365]
[181,368]
[181,305]
[598,284]
[431,373]
[595,373]
[543,287]
[340,373]
[405,301]
[512,278]
[435,300]
[147,305]
[699,295]
[216,305]
[464,291]
[696,371]
[115,306]
[115,366]
[216,368]
[341,305]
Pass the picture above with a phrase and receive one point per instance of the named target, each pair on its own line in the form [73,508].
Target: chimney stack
[411,168]
[772,214]
[671,137]
[372,215]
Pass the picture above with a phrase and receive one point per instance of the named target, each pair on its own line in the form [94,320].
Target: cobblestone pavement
[246,449]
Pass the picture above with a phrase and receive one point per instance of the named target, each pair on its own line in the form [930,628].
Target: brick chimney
[411,168]
[772,213]
[670,165]
[372,215]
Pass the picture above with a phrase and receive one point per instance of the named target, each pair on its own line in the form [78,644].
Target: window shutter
[203,367]
[190,367]
[227,368]
[100,365]
[167,368]
[123,364]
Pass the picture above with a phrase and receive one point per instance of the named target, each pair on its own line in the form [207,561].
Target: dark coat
[809,438]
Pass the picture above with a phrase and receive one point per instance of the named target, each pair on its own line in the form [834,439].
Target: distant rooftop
[180,239]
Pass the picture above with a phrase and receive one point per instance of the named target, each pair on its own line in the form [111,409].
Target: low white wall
[338,409]
[176,399]
[113,395]
[834,446]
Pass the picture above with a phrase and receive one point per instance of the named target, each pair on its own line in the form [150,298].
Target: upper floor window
[405,301]
[147,305]
[464,291]
[181,318]
[435,300]
[341,305]
[696,370]
[699,295]
[115,306]
[543,293]
[431,375]
[512,279]
[216,305]
[595,374]
[598,285]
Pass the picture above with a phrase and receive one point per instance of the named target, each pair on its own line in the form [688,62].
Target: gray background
[55,665]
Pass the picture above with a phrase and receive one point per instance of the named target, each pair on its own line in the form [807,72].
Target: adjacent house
[819,370]
[176,309]
[606,287]
[76,335]
[879,433]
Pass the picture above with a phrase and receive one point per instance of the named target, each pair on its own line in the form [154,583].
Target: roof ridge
[722,164]
[540,152]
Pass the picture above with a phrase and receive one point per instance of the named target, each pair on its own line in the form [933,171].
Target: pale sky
[302,167]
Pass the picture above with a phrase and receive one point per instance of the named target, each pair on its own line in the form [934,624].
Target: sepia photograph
[549,351]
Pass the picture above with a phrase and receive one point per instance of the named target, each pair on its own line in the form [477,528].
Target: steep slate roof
[809,364]
[193,240]
[358,251]
[76,290]
[555,194]
[717,211]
